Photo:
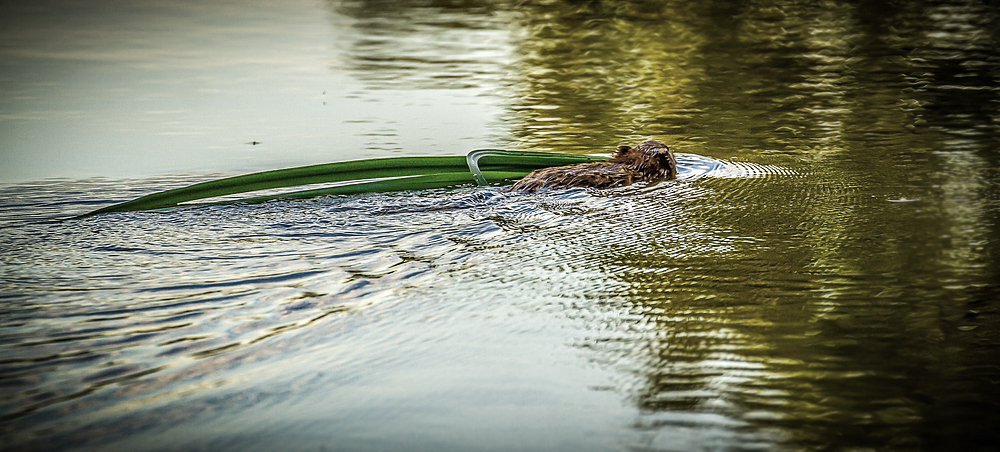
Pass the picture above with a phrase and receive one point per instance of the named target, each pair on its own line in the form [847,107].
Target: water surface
[822,276]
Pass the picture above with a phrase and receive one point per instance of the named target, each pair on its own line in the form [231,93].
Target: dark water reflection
[823,276]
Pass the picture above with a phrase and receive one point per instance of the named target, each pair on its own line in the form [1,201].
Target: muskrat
[648,161]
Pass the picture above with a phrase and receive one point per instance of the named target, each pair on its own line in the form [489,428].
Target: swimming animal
[649,161]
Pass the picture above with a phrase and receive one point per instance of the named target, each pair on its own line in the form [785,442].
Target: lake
[823,274]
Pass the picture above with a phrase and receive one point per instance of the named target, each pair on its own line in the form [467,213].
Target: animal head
[652,158]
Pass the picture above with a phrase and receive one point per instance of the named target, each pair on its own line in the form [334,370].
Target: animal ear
[622,150]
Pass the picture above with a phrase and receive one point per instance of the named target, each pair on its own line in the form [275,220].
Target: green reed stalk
[484,166]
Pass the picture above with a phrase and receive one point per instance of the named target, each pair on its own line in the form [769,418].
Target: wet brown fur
[648,161]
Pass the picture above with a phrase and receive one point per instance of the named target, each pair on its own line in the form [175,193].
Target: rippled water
[822,275]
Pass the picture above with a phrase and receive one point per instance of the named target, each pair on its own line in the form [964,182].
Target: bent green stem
[533,159]
[364,176]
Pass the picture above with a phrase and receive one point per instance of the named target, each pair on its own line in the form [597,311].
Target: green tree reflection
[849,305]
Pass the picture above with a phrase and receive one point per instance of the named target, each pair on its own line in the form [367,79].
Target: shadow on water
[847,310]
[821,276]
[843,307]
[425,44]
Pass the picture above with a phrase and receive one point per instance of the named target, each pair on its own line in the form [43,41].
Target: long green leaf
[396,173]
[424,182]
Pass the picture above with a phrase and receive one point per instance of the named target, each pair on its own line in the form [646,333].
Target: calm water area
[824,274]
